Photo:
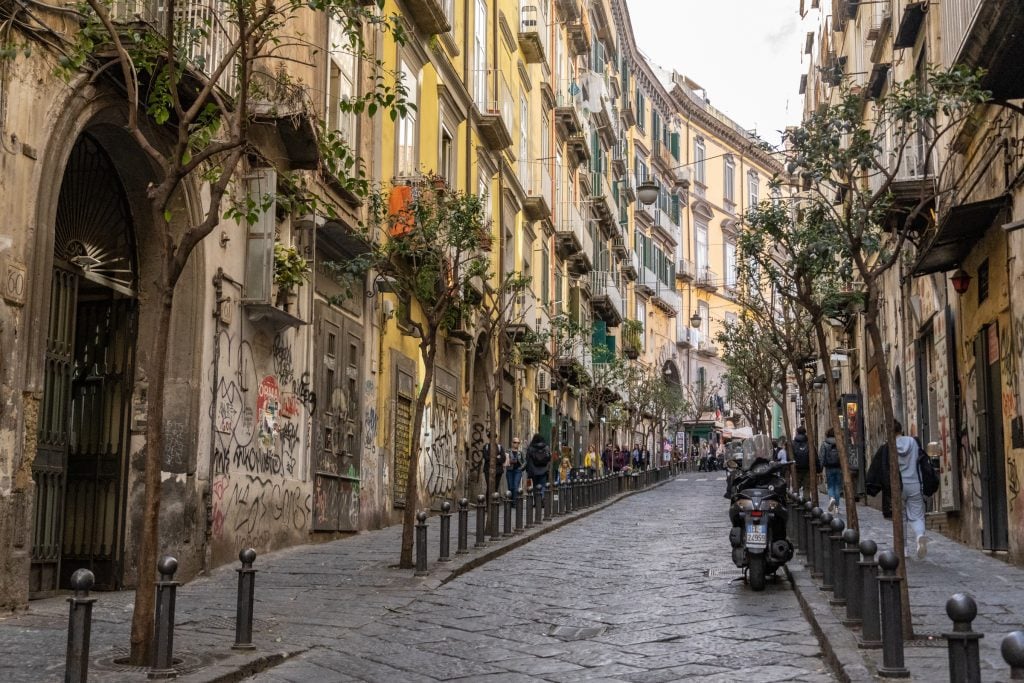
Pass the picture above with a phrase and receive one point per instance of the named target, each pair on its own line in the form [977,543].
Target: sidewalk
[359,569]
[948,568]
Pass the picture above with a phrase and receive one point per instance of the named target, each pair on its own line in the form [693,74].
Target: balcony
[667,299]
[533,33]
[573,241]
[495,113]
[664,226]
[575,366]
[578,34]
[428,16]
[606,297]
[630,267]
[568,10]
[578,148]
[661,156]
[628,114]
[685,270]
[686,336]
[707,348]
[523,314]
[628,189]
[620,248]
[647,282]
[913,173]
[619,159]
[986,33]
[632,343]
[538,204]
[568,118]
[601,199]
[707,280]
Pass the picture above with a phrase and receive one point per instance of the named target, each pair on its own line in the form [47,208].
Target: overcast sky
[745,53]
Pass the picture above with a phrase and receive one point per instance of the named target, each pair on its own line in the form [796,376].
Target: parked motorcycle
[758,513]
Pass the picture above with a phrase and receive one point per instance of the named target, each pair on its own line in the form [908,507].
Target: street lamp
[961,281]
[695,320]
[647,192]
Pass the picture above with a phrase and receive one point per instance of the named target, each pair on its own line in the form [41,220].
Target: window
[702,247]
[641,315]
[730,265]
[480,55]
[776,196]
[341,86]
[699,153]
[524,143]
[641,170]
[446,167]
[730,179]
[405,158]
[982,281]
[753,189]
[730,319]
[705,319]
[641,110]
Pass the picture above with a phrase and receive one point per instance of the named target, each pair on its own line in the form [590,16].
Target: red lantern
[961,281]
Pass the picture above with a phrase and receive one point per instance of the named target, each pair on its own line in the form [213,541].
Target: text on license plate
[755,536]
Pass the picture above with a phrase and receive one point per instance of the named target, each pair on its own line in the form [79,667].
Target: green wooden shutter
[675,146]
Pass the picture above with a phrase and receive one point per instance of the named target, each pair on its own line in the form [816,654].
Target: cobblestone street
[640,591]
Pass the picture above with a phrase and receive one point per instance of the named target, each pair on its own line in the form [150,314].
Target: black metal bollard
[246,600]
[814,543]
[824,530]
[892,619]
[800,515]
[421,544]
[166,590]
[463,534]
[871,620]
[854,595]
[1012,649]
[805,517]
[538,504]
[791,521]
[528,504]
[481,513]
[506,520]
[964,652]
[549,500]
[519,510]
[76,663]
[446,532]
[838,566]
[560,508]
[495,516]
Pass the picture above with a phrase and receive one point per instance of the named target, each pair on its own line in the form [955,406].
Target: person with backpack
[802,461]
[918,480]
[538,457]
[828,459]
[514,468]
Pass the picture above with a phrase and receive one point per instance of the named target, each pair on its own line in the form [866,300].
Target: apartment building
[950,317]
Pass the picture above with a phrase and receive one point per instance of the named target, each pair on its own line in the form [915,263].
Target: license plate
[756,537]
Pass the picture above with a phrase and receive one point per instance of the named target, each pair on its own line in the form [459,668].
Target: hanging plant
[291,270]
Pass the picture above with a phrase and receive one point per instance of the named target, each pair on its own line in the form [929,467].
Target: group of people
[917,476]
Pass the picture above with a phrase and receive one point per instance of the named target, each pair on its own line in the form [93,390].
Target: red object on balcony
[402,219]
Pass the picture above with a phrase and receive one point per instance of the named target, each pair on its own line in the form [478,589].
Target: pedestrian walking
[781,455]
[590,461]
[919,480]
[619,459]
[514,468]
[802,460]
[538,457]
[564,465]
[828,459]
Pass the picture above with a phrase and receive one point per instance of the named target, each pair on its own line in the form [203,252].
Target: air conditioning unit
[543,381]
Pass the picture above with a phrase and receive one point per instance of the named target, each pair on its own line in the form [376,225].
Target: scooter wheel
[757,572]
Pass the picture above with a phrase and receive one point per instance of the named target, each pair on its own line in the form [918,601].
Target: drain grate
[116,660]
[569,633]
[926,640]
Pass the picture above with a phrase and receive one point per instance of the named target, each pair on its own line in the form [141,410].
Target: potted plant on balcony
[631,331]
[291,270]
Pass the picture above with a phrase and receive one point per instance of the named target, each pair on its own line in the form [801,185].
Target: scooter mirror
[933,449]
[731,464]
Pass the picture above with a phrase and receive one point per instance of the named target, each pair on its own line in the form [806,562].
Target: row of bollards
[505,515]
[869,589]
[76,664]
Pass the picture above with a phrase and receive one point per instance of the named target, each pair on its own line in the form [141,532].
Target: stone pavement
[643,591]
[638,590]
[949,568]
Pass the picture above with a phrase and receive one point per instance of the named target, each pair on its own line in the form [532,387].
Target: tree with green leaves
[194,87]
[756,369]
[872,178]
[433,254]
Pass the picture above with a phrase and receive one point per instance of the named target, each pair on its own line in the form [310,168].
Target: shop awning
[961,229]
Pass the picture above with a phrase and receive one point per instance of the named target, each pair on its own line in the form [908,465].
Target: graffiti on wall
[439,446]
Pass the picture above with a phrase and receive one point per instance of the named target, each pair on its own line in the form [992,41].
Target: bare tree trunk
[788,428]
[895,480]
[149,538]
[833,398]
[412,485]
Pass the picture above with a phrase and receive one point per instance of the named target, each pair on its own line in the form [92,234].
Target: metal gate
[337,421]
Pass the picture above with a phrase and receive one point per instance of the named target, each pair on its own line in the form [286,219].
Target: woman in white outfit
[909,452]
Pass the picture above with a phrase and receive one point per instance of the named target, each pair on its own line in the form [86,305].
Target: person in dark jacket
[909,451]
[828,458]
[802,460]
[538,457]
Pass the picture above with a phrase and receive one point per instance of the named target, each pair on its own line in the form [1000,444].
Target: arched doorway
[80,468]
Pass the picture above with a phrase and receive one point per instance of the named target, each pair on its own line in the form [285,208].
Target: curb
[838,643]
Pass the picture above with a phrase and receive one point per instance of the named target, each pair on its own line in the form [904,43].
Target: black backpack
[801,455]
[929,477]
[831,456]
